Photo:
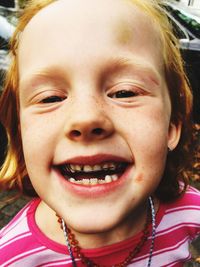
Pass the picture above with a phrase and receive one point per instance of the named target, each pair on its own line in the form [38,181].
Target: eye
[123,94]
[52,99]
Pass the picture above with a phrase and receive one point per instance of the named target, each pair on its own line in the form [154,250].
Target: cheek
[146,126]
[36,140]
[139,178]
[146,133]
[37,129]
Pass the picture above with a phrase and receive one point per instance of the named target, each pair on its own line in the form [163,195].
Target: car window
[180,34]
[6,30]
[188,22]
[3,43]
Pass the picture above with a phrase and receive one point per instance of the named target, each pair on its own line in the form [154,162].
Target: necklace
[74,249]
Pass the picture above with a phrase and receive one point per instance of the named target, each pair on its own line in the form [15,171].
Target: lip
[99,190]
[95,191]
[95,159]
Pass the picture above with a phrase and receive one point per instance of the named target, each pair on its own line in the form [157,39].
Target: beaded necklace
[74,249]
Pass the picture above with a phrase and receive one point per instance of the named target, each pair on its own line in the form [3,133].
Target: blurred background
[184,16]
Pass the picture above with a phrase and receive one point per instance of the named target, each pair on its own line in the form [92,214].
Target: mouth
[91,175]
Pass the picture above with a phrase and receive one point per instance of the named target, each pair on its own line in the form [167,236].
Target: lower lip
[98,190]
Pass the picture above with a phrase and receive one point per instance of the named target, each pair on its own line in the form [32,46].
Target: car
[6,31]
[186,27]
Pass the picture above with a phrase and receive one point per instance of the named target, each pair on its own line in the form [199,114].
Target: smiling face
[94,110]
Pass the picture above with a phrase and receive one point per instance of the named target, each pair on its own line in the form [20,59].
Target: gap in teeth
[95,181]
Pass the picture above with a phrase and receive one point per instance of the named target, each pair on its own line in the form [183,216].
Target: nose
[88,122]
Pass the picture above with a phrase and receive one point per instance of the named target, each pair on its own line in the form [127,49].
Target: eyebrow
[113,66]
[119,64]
[49,74]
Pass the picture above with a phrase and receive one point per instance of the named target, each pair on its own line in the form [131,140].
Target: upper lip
[94,159]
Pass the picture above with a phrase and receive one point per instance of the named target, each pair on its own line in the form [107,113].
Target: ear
[174,135]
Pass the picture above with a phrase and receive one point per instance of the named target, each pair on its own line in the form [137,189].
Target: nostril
[87,133]
[97,131]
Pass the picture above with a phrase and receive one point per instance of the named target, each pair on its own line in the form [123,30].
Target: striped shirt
[22,244]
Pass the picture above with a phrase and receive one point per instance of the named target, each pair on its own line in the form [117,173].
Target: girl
[97,111]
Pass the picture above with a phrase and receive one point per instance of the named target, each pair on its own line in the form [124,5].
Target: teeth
[105,166]
[87,168]
[79,182]
[95,181]
[78,167]
[97,168]
[86,181]
[72,168]
[108,179]
[114,177]
[112,166]
[100,174]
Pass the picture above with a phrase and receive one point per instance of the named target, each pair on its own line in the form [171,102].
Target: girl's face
[94,110]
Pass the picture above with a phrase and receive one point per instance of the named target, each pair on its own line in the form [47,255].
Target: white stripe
[42,258]
[178,252]
[18,237]
[175,228]
[9,227]
[57,264]
[21,255]
[19,229]
[175,262]
[193,190]
[178,217]
[195,207]
[166,256]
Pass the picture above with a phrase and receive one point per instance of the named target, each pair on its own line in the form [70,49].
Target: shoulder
[20,219]
[188,202]
[183,214]
[177,224]
[15,236]
[190,198]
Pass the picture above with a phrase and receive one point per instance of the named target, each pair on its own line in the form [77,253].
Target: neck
[75,250]
[134,223]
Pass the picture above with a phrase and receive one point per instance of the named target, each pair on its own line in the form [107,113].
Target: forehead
[126,18]
[67,25]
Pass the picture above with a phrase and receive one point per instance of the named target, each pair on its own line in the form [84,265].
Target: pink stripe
[193,189]
[178,217]
[178,263]
[56,263]
[22,255]
[15,238]
[14,221]
[176,228]
[181,208]
[172,248]
[158,252]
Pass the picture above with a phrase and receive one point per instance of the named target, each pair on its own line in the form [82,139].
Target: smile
[91,175]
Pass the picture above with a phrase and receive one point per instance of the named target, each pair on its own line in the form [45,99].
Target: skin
[82,56]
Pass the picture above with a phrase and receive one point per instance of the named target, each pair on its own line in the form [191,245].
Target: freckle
[139,178]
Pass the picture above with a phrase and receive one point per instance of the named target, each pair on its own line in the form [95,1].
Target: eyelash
[52,99]
[120,91]
[123,94]
[128,91]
